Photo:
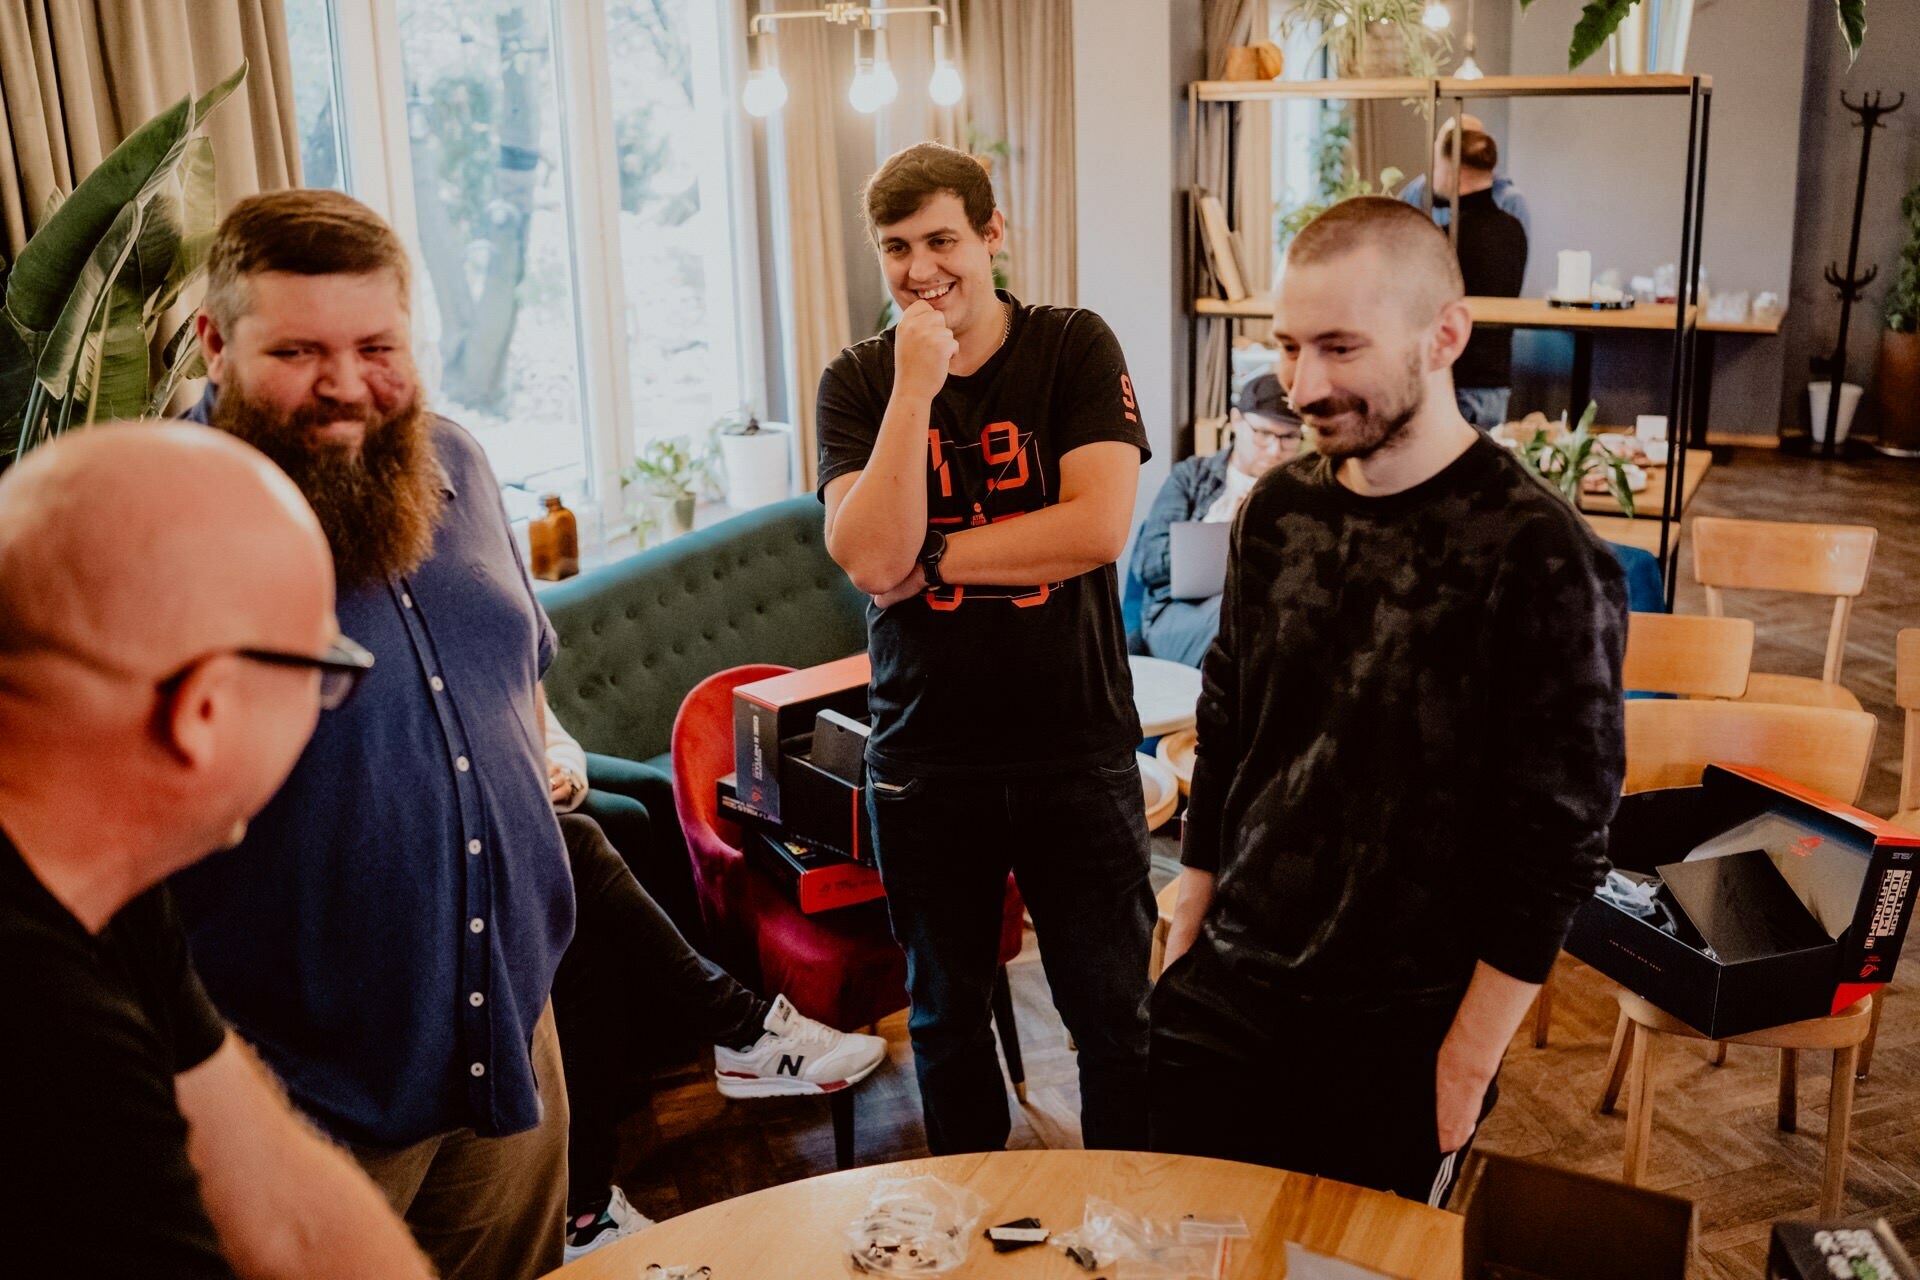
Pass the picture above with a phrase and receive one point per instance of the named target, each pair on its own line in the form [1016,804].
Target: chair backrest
[1779,555]
[1906,680]
[1826,749]
[702,747]
[1687,654]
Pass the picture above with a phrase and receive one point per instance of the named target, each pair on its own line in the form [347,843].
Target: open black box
[1850,873]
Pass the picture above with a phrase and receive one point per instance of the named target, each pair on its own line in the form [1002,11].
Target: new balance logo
[790,1065]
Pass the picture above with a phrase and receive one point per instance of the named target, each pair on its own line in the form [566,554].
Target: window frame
[377,166]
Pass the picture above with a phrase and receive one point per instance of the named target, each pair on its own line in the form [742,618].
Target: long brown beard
[379,504]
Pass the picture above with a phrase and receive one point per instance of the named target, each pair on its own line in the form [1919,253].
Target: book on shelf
[1222,254]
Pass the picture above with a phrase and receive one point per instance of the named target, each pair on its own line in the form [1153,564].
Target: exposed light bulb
[1437,16]
[945,87]
[885,84]
[766,92]
[865,91]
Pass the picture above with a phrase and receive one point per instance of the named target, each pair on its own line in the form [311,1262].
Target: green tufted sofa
[637,635]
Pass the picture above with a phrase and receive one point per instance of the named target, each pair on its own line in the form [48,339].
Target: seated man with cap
[1266,433]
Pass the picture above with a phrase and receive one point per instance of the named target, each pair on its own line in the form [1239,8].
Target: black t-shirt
[1411,733]
[997,681]
[1493,262]
[97,1027]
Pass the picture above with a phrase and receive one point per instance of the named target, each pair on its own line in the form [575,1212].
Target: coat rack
[1870,109]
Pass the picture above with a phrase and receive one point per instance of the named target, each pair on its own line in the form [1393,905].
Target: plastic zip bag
[914,1227]
[1131,1247]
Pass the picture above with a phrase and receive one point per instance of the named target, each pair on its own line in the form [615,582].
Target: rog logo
[1807,844]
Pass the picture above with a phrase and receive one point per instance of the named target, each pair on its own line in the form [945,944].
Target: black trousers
[1077,845]
[627,981]
[1241,1075]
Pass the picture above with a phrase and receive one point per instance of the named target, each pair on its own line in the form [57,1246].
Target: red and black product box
[816,877]
[1861,1249]
[823,790]
[1761,902]
[774,718]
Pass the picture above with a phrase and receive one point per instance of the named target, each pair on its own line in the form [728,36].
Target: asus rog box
[1748,901]
[773,720]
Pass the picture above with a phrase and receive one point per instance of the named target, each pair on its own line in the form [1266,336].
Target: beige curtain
[1017,62]
[813,218]
[78,76]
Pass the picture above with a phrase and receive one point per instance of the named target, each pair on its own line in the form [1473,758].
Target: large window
[565,174]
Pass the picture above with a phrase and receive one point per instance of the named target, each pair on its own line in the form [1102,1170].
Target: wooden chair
[1640,1027]
[1165,900]
[1682,654]
[1824,748]
[1771,555]
[1906,694]
[1689,655]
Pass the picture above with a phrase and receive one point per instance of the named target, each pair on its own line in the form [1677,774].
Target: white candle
[1576,274]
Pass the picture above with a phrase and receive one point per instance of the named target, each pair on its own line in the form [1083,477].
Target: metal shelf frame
[1452,94]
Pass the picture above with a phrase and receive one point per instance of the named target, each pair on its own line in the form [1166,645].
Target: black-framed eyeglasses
[341,667]
[1268,436]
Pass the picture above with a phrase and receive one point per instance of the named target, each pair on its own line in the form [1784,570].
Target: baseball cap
[1265,396]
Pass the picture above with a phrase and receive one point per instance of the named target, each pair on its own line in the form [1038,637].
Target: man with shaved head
[167,642]
[1410,747]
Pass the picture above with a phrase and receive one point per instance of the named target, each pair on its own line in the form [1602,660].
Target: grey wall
[1606,175]
[1829,168]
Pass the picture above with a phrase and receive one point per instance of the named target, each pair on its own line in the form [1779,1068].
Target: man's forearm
[1050,545]
[877,530]
[1189,912]
[1489,1014]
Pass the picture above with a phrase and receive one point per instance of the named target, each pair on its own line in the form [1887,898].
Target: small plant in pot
[1896,382]
[664,475]
[1565,459]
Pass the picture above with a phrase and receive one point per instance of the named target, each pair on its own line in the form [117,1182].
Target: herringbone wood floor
[1714,1142]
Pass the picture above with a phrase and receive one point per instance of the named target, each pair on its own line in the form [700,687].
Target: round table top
[796,1229]
[1176,752]
[1164,693]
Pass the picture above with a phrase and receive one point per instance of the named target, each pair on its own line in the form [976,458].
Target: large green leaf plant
[88,293]
[1601,18]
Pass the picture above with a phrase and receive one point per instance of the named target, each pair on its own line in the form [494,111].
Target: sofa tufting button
[631,614]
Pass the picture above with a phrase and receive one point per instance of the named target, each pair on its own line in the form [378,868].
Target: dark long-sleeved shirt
[1411,733]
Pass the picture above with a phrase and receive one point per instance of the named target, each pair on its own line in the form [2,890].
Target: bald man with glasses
[167,644]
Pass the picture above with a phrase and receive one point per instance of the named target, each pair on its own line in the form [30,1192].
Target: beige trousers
[487,1208]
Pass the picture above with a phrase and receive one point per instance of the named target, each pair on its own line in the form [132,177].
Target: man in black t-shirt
[166,641]
[978,463]
[1410,746]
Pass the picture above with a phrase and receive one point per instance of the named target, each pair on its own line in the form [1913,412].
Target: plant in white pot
[755,458]
[663,476]
[1896,382]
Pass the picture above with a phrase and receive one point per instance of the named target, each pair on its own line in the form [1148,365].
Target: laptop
[1198,552]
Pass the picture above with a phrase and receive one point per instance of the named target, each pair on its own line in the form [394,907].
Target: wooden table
[795,1230]
[1165,694]
[1646,503]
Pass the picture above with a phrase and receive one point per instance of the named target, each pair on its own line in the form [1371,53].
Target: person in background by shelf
[1266,433]
[1505,194]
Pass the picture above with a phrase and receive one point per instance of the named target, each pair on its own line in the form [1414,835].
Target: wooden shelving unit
[1683,322]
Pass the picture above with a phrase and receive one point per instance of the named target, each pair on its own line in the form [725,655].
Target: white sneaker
[797,1055]
[616,1222]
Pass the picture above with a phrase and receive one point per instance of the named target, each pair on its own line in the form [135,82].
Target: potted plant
[664,473]
[1564,459]
[88,293]
[1371,38]
[754,459]
[1896,382]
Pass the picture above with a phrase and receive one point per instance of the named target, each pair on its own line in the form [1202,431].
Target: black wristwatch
[932,551]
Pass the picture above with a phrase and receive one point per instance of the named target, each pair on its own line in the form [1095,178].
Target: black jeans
[627,976]
[1240,1074]
[1077,844]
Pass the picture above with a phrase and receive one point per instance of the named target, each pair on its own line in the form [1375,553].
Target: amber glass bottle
[554,542]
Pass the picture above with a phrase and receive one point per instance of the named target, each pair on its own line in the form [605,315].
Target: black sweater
[1411,733]
[1493,262]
